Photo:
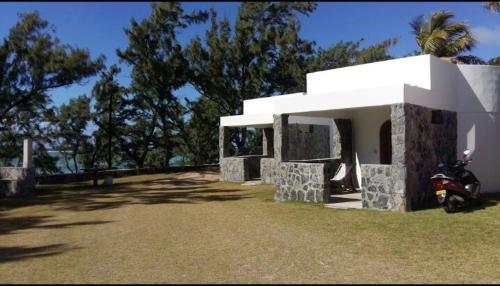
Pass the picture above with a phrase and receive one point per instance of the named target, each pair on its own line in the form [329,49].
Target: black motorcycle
[456,186]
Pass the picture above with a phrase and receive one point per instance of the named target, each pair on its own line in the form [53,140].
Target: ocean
[61,164]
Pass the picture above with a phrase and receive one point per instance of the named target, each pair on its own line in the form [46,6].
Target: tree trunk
[110,128]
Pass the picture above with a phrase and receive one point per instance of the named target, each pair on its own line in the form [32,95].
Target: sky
[99,26]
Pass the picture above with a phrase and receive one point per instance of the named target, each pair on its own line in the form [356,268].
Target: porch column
[280,126]
[345,128]
[223,142]
[267,142]
[341,140]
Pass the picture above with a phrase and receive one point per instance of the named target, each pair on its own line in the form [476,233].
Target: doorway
[385,143]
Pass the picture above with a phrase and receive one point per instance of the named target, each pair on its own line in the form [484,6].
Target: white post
[27,153]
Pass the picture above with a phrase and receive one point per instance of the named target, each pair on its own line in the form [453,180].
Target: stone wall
[232,169]
[16,181]
[280,137]
[307,141]
[268,170]
[378,188]
[426,144]
[418,144]
[223,142]
[398,170]
[308,182]
[240,169]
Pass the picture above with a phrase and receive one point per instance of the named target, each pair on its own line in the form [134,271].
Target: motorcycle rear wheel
[450,205]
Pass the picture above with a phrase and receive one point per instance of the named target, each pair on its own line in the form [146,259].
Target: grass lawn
[162,229]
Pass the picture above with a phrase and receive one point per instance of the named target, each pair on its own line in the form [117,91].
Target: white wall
[444,84]
[266,104]
[478,88]
[366,123]
[480,132]
[292,119]
[479,122]
[410,70]
[354,98]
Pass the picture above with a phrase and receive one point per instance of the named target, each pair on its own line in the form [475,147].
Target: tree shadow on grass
[147,182]
[10,225]
[18,253]
[157,191]
[143,196]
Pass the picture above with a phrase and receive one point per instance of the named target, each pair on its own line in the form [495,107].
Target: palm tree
[441,37]
[493,6]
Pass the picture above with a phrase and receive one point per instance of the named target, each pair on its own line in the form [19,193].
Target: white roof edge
[373,63]
[280,95]
[247,120]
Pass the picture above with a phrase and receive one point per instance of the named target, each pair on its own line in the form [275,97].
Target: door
[385,143]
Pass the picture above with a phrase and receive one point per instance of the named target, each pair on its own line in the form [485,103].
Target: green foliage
[201,144]
[494,61]
[72,120]
[441,37]
[159,68]
[32,62]
[154,159]
[344,54]
[109,118]
[138,138]
[260,56]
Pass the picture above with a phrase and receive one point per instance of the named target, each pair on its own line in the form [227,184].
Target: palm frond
[440,19]
[416,24]
[493,6]
[441,37]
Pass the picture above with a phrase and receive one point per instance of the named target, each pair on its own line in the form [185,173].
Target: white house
[392,121]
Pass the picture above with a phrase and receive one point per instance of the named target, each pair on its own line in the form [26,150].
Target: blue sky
[99,27]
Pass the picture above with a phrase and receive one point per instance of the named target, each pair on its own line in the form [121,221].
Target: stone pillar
[335,147]
[280,126]
[343,140]
[418,145]
[267,142]
[398,174]
[27,153]
[223,142]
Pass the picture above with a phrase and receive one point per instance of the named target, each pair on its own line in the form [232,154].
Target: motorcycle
[456,186]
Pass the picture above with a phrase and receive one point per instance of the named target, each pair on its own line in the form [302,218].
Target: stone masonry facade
[378,188]
[306,141]
[421,137]
[426,144]
[240,169]
[268,170]
[309,182]
[16,181]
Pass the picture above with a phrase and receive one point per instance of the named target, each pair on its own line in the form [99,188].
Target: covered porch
[386,152]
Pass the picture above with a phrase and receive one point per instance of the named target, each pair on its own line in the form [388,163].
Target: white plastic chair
[342,176]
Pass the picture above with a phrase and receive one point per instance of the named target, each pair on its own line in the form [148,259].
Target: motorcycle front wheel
[450,205]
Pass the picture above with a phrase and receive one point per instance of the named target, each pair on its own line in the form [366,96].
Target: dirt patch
[194,178]
[209,176]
